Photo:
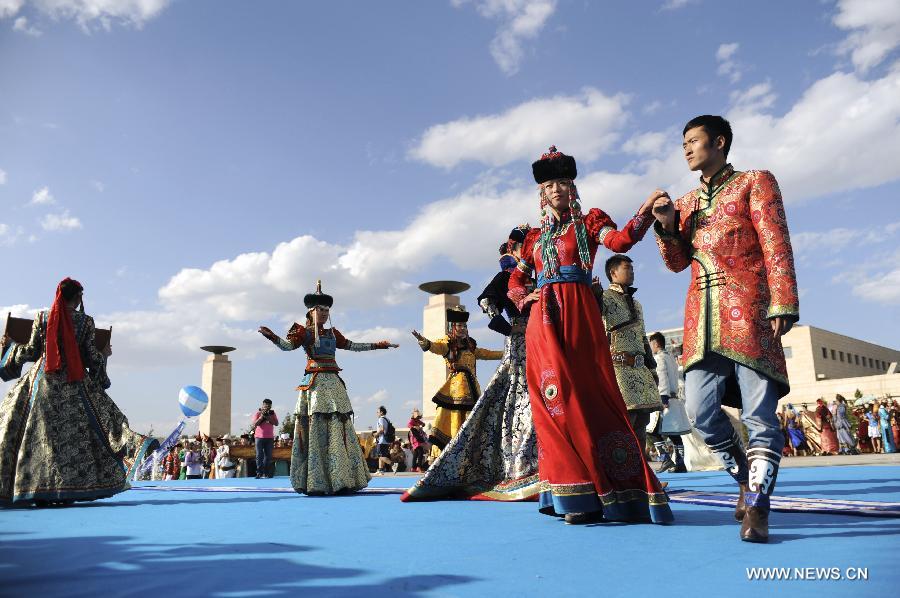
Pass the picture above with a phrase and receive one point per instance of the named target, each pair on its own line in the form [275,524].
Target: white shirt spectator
[667,370]
[223,460]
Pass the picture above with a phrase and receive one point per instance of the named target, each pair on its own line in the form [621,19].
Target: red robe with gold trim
[588,455]
[734,235]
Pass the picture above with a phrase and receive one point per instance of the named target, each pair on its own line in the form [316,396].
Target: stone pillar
[216,420]
[434,368]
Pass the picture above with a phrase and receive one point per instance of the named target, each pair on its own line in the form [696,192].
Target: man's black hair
[382,410]
[714,126]
[659,339]
[613,263]
[269,401]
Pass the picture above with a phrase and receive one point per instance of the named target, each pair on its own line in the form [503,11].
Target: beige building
[822,364]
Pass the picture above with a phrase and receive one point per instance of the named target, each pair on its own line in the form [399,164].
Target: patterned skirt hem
[453,403]
[631,505]
[65,495]
[522,489]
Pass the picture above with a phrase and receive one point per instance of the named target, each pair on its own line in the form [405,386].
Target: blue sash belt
[566,274]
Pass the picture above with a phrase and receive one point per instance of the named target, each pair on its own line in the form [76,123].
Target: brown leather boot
[741,507]
[755,526]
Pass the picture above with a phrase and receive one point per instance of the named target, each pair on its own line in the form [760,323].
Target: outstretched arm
[605,232]
[439,347]
[348,345]
[296,336]
[487,354]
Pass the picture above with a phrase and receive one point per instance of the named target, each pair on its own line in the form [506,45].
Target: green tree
[858,394]
[287,425]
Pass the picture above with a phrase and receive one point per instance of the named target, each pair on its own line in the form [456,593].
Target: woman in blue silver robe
[494,455]
[326,457]
[62,438]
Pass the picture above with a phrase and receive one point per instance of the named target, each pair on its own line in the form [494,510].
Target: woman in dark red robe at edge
[589,462]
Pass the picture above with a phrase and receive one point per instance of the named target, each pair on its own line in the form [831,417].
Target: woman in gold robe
[457,396]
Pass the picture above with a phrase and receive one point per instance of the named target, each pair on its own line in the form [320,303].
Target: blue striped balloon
[193,401]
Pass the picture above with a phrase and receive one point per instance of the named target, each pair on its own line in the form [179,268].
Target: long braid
[548,247]
[584,252]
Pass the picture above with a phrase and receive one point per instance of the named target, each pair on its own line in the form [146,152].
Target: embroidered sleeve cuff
[663,233]
[351,346]
[604,232]
[488,307]
[7,353]
[284,345]
[791,312]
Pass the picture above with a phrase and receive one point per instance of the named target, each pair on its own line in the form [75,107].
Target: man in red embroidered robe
[742,298]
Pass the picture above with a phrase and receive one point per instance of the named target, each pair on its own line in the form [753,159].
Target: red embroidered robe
[734,235]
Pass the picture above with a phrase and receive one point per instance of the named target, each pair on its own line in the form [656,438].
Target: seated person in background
[398,458]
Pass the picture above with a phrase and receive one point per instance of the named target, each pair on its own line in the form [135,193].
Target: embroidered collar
[620,289]
[717,180]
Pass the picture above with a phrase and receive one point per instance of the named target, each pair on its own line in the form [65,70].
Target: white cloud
[520,20]
[20,310]
[8,235]
[726,51]
[843,133]
[379,397]
[60,222]
[90,14]
[21,25]
[646,144]
[42,197]
[378,333]
[874,27]
[836,240]
[728,67]
[883,288]
[584,125]
[2,177]
[9,8]
[98,186]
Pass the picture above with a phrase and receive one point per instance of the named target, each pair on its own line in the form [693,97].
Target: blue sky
[198,165]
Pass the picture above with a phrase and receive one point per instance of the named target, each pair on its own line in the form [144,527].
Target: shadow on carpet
[120,565]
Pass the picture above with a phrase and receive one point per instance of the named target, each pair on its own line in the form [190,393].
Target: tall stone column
[216,420]
[434,325]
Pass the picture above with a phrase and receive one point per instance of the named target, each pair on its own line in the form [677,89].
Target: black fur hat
[554,165]
[457,315]
[318,298]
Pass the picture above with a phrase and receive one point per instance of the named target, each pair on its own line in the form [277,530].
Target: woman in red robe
[826,425]
[589,461]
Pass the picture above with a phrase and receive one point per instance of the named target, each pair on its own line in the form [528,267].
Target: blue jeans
[264,448]
[704,386]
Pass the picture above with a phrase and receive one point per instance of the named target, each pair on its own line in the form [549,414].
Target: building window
[841,356]
[788,353]
[833,356]
[824,353]
[856,359]
[871,365]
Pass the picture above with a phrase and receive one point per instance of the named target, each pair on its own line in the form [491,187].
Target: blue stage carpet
[199,543]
